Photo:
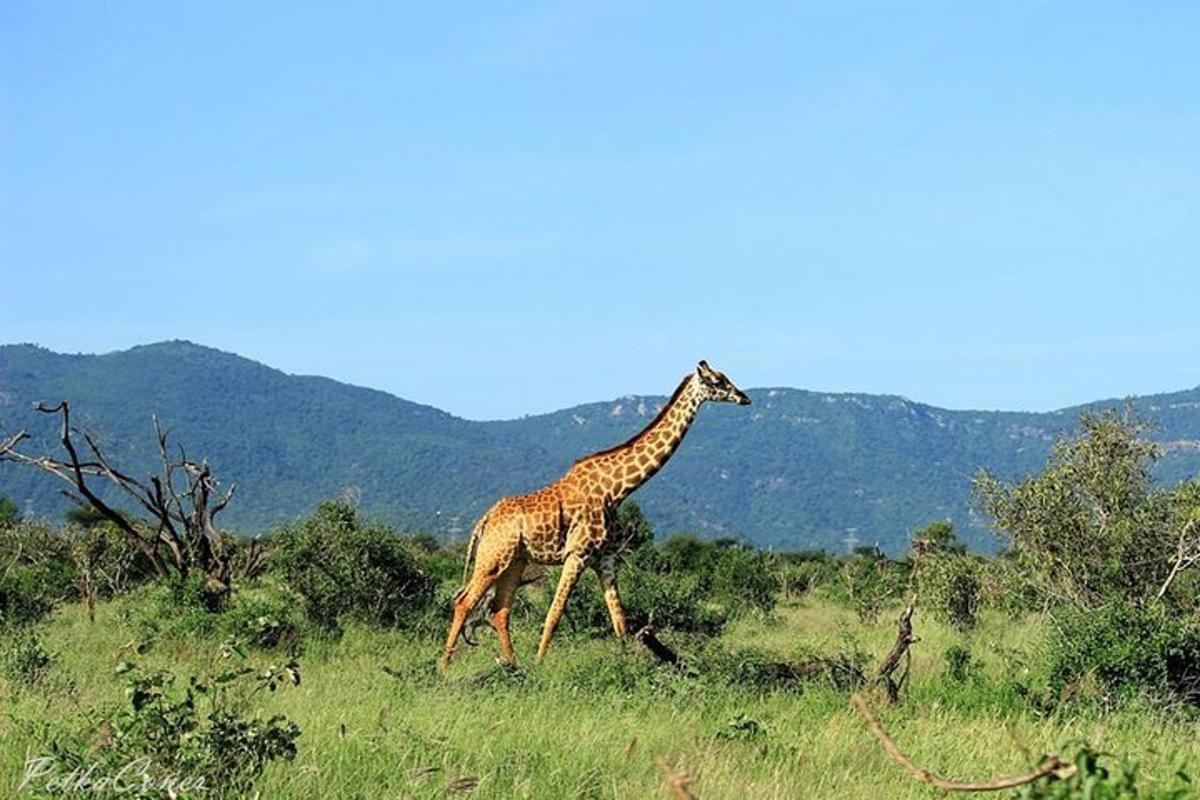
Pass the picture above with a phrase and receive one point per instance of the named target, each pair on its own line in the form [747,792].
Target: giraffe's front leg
[572,568]
[607,570]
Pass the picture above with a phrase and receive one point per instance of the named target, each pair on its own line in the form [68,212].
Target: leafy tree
[1107,548]
[1090,526]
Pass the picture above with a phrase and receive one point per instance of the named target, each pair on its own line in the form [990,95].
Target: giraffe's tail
[472,547]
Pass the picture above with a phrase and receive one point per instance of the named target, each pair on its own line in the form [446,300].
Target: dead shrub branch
[1052,765]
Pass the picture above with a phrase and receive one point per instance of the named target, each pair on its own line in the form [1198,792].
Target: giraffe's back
[534,523]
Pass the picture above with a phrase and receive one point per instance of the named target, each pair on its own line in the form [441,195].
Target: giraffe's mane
[662,412]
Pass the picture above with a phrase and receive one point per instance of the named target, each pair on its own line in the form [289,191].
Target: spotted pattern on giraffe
[572,521]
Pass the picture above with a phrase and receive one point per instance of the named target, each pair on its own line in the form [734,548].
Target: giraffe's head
[714,385]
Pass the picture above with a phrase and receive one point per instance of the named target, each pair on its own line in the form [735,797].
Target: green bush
[344,567]
[198,741]
[45,567]
[800,573]
[1092,779]
[1007,587]
[24,661]
[264,615]
[761,671]
[961,665]
[1128,651]
[741,728]
[38,572]
[685,585]
[105,561]
[1092,527]
[950,587]
[867,582]
[10,513]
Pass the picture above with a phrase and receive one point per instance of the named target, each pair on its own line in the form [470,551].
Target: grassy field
[598,717]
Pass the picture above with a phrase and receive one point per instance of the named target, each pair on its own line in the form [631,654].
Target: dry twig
[1052,765]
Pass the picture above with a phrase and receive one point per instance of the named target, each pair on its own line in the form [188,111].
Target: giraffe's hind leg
[488,568]
[502,602]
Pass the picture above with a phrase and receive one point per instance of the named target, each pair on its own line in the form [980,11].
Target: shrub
[345,567]
[961,665]
[741,728]
[263,615]
[38,573]
[106,563]
[939,538]
[673,601]
[1128,651]
[950,587]
[23,659]
[685,585]
[800,573]
[196,741]
[760,671]
[10,513]
[868,581]
[1095,780]
[1007,587]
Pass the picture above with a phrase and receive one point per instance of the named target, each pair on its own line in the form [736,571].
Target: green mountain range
[796,470]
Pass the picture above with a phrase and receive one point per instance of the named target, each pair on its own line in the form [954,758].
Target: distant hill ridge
[797,469]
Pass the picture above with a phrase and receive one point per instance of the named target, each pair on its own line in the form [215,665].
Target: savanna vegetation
[302,663]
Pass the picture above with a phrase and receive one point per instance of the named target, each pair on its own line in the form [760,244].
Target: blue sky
[502,209]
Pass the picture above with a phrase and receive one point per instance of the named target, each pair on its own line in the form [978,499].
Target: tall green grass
[377,721]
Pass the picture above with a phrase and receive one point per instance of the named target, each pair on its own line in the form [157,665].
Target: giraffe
[571,521]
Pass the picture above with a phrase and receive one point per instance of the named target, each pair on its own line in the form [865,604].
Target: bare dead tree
[180,503]
[1052,765]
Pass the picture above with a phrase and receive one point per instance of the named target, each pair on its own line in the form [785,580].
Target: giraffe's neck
[638,461]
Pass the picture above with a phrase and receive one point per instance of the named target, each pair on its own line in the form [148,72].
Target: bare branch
[11,442]
[77,473]
[1183,558]
[178,517]
[224,501]
[1052,765]
[904,640]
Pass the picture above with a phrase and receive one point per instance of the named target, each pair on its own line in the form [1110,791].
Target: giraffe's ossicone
[572,521]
